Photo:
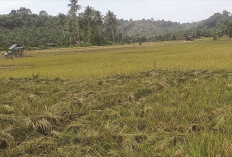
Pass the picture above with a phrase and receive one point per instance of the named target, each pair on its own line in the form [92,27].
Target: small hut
[15,51]
[225,36]
[51,45]
[189,38]
[130,41]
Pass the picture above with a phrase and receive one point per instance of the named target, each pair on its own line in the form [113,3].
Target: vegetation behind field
[91,27]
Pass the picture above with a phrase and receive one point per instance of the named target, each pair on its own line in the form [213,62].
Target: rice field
[127,59]
[161,99]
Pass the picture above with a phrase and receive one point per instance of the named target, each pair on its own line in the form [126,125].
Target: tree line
[91,27]
[73,29]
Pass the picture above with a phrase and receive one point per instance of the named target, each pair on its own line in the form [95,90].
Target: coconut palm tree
[74,8]
[111,23]
[88,13]
[98,20]
[229,28]
[62,19]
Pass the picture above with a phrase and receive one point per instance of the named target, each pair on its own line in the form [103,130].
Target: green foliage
[92,28]
[167,30]
[215,36]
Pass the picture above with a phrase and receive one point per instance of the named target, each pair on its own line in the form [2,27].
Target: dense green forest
[91,27]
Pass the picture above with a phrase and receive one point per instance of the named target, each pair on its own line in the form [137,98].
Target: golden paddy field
[105,61]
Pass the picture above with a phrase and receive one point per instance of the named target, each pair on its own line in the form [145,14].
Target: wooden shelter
[189,38]
[130,41]
[51,45]
[15,51]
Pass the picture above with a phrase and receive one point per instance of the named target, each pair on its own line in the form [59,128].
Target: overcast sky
[175,10]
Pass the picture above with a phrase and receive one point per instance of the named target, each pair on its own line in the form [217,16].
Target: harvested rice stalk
[43,126]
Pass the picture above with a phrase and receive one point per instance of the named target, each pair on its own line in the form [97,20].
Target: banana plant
[8,53]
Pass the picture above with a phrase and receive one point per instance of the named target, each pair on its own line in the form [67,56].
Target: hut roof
[15,46]
[51,44]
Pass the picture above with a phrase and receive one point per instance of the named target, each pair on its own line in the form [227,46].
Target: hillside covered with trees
[91,27]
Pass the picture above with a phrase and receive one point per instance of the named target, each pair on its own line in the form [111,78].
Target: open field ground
[161,99]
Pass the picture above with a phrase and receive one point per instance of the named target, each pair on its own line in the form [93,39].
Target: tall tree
[98,19]
[43,13]
[24,10]
[63,23]
[74,8]
[88,13]
[13,12]
[229,28]
[62,19]
[111,23]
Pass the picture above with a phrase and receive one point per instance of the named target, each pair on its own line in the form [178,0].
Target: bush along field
[159,112]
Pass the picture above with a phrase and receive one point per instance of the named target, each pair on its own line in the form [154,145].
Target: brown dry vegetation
[153,113]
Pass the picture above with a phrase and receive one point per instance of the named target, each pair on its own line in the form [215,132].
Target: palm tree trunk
[76,30]
[99,35]
[78,34]
[113,35]
[122,36]
[88,33]
[70,40]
